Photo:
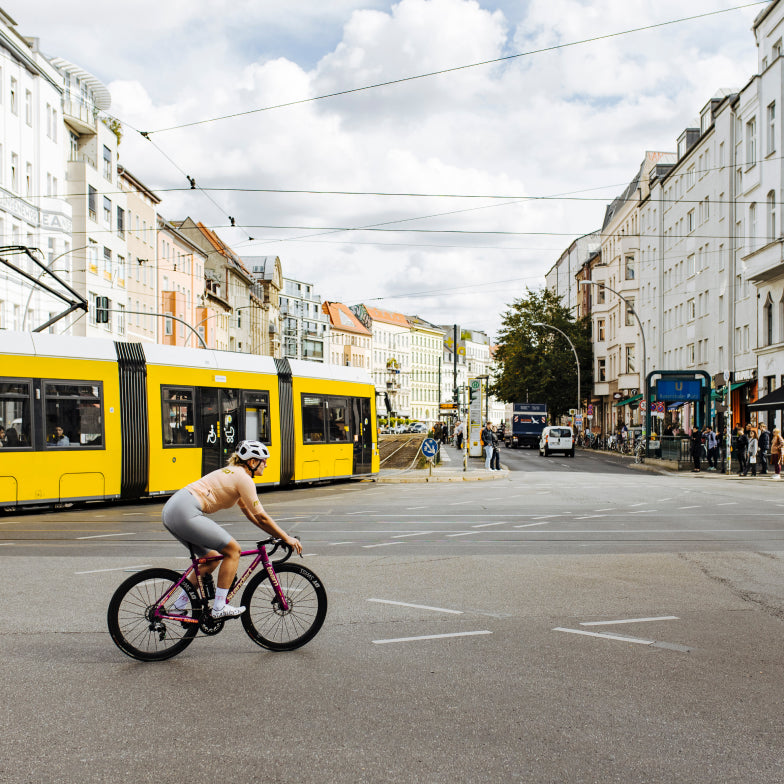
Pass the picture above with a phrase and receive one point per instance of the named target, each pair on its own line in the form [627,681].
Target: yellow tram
[92,419]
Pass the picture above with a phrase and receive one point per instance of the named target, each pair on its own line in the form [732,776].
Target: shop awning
[771,401]
[628,401]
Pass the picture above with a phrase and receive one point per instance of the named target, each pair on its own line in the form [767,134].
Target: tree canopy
[536,364]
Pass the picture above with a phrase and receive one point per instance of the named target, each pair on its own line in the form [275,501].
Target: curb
[422,477]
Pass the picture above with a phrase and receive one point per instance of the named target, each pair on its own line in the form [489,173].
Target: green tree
[536,364]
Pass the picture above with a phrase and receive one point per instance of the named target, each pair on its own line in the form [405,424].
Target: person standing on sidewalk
[696,448]
[742,448]
[495,462]
[753,450]
[776,449]
[712,444]
[764,448]
[487,441]
[459,434]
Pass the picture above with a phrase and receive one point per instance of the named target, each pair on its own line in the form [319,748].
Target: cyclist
[184,517]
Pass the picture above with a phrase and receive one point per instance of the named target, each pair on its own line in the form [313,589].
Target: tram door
[219,426]
[363,435]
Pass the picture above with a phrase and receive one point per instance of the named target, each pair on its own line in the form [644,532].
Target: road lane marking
[642,503]
[688,507]
[417,606]
[608,509]
[335,544]
[461,503]
[530,525]
[418,533]
[631,620]
[411,508]
[487,525]
[465,533]
[430,637]
[5,544]
[134,514]
[383,544]
[117,569]
[104,536]
[728,503]
[623,638]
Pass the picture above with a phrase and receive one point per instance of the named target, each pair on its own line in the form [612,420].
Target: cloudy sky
[441,168]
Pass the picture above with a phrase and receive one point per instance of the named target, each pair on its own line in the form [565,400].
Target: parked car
[418,427]
[556,438]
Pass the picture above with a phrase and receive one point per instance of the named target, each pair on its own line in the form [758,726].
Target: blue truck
[524,423]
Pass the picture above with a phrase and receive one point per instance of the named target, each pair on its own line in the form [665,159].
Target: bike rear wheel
[271,627]
[132,622]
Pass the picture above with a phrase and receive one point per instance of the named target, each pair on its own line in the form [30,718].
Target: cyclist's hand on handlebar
[294,543]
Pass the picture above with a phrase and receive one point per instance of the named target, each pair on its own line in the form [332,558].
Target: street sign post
[430,450]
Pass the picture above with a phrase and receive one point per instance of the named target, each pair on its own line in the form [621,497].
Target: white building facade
[427,341]
[33,211]
[305,325]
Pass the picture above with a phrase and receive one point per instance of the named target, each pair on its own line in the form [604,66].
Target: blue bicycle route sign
[429,447]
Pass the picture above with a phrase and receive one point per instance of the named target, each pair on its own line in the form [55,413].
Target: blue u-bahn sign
[678,390]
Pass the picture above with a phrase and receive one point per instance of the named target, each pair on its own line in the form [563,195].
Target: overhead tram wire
[458,68]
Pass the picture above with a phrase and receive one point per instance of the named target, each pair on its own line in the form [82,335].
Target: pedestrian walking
[776,449]
[495,462]
[696,448]
[459,435]
[753,450]
[742,451]
[764,448]
[487,442]
[712,445]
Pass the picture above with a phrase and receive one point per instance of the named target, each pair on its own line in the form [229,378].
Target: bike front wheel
[268,625]
[133,624]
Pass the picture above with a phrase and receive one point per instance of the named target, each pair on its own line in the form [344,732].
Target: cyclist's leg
[228,566]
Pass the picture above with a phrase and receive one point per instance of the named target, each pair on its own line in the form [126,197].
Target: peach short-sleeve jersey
[225,487]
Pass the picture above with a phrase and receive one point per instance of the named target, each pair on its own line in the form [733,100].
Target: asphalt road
[578,622]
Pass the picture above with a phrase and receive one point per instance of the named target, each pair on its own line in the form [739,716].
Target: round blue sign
[429,447]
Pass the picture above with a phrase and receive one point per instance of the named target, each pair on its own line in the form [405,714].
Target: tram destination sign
[678,390]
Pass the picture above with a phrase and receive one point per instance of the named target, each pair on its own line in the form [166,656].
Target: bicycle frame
[262,557]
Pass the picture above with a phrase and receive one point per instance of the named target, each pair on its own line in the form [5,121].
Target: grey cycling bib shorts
[185,521]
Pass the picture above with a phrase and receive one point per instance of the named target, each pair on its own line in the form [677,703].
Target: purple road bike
[286,606]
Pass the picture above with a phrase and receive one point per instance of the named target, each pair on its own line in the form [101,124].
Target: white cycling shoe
[227,611]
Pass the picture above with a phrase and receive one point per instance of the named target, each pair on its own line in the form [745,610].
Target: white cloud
[573,119]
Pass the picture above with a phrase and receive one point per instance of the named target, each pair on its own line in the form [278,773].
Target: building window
[29,108]
[690,221]
[29,180]
[14,172]
[107,163]
[771,216]
[601,373]
[752,226]
[629,312]
[630,363]
[629,268]
[751,142]
[92,200]
[771,147]
[14,88]
[600,329]
[121,221]
[107,212]
[767,318]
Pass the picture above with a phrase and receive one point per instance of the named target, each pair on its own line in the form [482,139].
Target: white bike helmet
[250,449]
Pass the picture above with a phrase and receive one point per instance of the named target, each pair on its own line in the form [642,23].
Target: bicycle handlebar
[279,543]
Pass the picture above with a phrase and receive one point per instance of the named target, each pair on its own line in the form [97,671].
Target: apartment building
[391,358]
[350,342]
[181,289]
[305,325]
[562,278]
[427,343]
[142,279]
[267,272]
[33,210]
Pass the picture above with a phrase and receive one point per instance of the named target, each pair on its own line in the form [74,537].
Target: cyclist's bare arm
[262,520]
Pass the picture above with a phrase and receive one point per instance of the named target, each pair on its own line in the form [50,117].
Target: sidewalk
[449,470]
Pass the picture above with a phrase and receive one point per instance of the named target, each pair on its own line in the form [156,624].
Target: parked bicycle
[639,450]
[286,606]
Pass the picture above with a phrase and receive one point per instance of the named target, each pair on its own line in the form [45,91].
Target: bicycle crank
[210,625]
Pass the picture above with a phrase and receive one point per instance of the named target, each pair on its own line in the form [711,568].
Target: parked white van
[556,438]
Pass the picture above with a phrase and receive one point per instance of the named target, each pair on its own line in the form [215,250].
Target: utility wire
[457,68]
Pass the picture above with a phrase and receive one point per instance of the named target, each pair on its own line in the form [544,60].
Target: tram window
[313,419]
[257,417]
[14,414]
[338,420]
[177,417]
[74,414]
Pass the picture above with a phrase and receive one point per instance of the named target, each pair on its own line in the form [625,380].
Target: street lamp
[644,385]
[576,359]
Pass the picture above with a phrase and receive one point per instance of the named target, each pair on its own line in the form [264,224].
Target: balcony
[766,263]
[81,117]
